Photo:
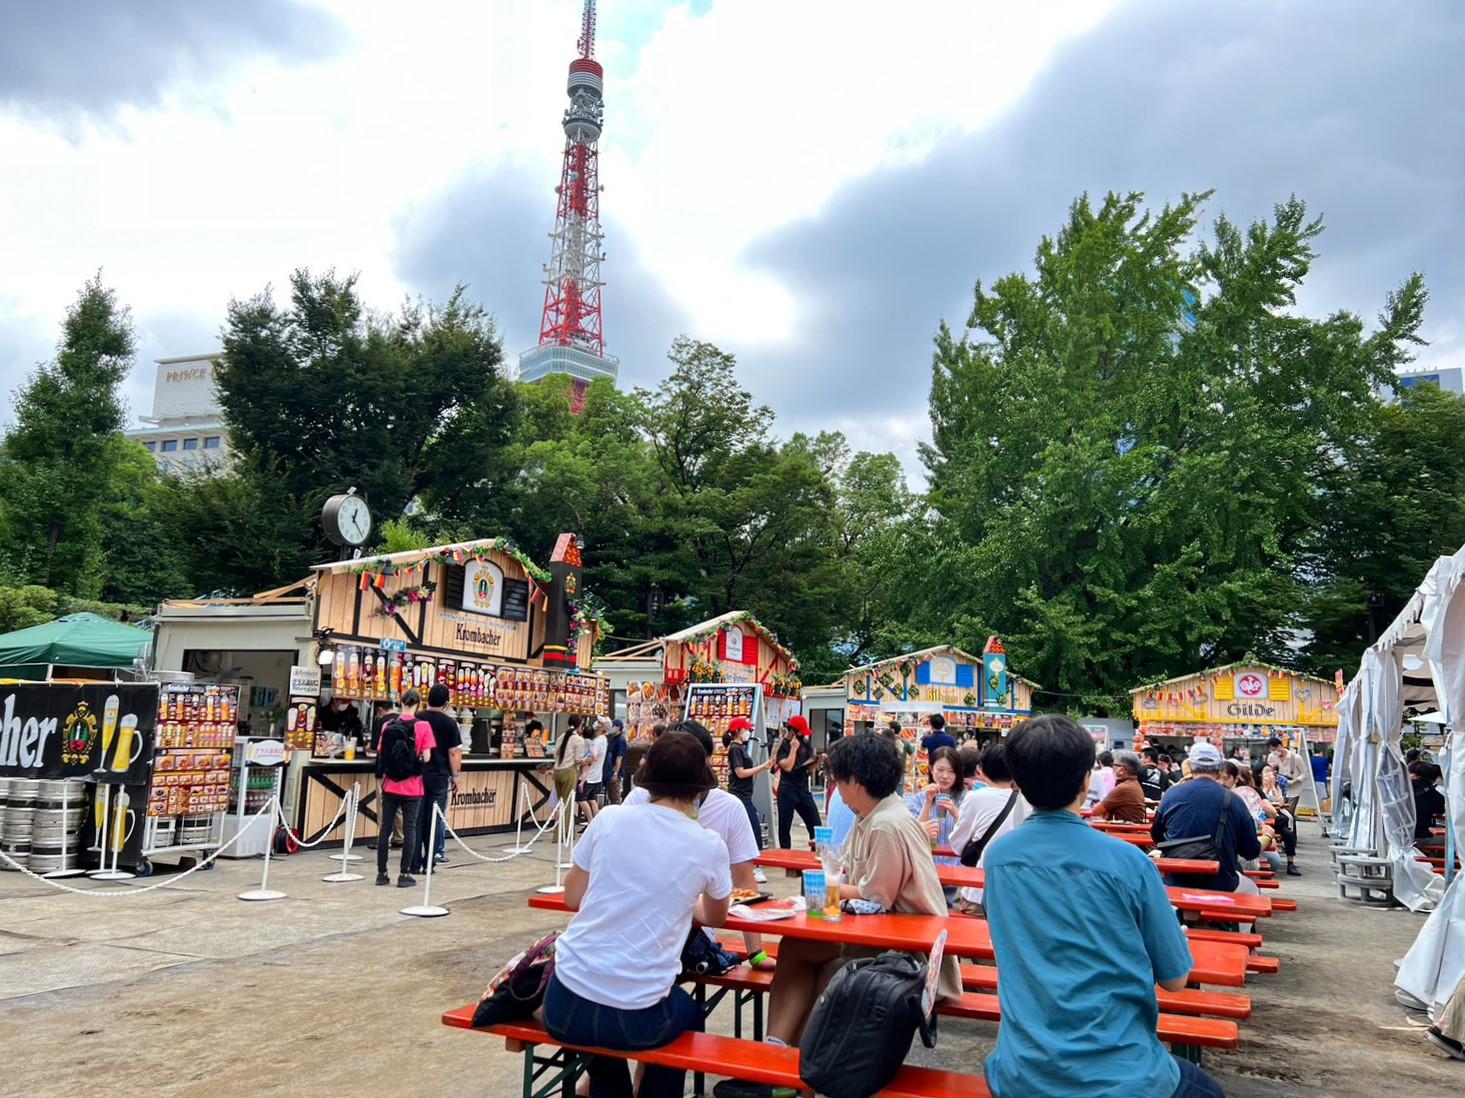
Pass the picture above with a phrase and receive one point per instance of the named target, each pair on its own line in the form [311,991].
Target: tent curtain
[1435,962]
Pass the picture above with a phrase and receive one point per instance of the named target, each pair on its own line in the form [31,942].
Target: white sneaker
[760,876]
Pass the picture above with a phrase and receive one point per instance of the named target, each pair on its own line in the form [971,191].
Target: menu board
[649,704]
[715,705]
[195,746]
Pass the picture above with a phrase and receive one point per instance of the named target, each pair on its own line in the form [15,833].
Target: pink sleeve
[426,741]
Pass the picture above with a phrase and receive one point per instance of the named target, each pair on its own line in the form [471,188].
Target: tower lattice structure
[571,329]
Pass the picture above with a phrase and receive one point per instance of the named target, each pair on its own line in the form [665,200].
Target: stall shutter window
[1225,688]
[1280,690]
[966,675]
[453,586]
[516,600]
[923,674]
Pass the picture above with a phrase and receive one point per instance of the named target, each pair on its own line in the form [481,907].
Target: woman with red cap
[794,759]
[741,770]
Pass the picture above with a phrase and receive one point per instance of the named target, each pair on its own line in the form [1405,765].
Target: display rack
[192,765]
[714,705]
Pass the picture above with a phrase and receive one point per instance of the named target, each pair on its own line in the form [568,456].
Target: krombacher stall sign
[102,731]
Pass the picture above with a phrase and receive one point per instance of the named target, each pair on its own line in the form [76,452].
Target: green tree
[321,395]
[1394,507]
[140,560]
[1128,446]
[60,457]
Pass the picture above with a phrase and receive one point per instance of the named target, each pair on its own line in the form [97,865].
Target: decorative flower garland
[398,601]
[374,573]
[743,618]
[584,614]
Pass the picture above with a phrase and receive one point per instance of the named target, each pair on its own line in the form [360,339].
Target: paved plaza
[189,991]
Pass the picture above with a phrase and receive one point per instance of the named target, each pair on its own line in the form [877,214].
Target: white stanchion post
[426,909]
[342,875]
[347,856]
[559,843]
[519,847]
[264,892]
[567,861]
[109,829]
[66,869]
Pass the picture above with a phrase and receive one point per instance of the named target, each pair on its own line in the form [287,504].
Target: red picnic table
[1218,905]
[1212,962]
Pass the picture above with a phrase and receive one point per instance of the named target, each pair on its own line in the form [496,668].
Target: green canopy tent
[71,647]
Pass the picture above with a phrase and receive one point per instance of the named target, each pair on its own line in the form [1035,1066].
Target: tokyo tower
[571,339]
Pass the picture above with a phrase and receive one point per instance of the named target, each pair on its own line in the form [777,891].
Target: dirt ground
[186,990]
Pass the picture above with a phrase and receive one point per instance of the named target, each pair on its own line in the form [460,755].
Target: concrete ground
[186,990]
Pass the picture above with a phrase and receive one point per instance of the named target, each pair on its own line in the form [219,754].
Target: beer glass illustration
[99,816]
[129,745]
[124,820]
[109,729]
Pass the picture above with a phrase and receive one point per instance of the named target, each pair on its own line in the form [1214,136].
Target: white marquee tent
[1419,662]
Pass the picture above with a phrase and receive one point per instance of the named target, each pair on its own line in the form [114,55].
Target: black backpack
[863,1024]
[399,757]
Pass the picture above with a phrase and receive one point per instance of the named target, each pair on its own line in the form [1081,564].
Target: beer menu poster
[102,732]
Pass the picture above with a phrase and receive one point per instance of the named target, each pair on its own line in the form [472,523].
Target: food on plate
[745,895]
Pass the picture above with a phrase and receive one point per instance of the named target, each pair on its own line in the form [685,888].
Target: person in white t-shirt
[642,873]
[981,808]
[720,812]
[587,794]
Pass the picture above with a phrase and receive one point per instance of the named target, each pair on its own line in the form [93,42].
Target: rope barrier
[339,817]
[437,809]
[272,805]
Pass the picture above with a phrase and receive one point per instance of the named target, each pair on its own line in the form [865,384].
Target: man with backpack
[439,777]
[406,746]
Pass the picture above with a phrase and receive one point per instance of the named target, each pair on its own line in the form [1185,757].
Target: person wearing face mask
[742,771]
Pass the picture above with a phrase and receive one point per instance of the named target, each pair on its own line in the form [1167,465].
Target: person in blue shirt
[938,736]
[1083,931]
[1197,808]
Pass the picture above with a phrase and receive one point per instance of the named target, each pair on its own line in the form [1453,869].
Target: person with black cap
[654,868]
[794,759]
[440,776]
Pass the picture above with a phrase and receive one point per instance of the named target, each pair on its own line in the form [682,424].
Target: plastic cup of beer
[814,893]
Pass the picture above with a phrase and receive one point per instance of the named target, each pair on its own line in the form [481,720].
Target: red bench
[1212,1004]
[713,1055]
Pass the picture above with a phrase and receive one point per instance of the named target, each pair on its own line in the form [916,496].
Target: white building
[186,428]
[1449,378]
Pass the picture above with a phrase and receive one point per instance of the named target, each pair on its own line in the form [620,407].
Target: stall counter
[491,795]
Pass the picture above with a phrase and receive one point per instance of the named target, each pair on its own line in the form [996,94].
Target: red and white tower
[571,337]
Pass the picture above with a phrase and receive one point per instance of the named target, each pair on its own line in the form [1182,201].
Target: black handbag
[971,854]
[518,990]
[704,956]
[1205,848]
[863,1024]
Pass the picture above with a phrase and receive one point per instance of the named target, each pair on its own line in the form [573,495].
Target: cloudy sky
[812,184]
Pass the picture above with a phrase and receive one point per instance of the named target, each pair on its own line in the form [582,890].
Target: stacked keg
[20,807]
[56,826]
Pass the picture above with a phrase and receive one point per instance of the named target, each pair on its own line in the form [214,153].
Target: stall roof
[1223,668]
[77,640]
[274,597]
[696,632]
[947,649]
[410,556]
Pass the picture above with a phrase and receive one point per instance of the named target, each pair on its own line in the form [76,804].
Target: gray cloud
[61,58]
[491,231]
[1356,107]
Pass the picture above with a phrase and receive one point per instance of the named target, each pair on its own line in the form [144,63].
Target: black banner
[103,731]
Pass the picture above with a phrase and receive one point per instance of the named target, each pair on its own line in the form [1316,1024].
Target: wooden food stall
[509,640]
[978,695]
[1239,704]
[738,666]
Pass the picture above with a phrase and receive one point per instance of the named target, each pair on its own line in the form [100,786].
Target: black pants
[753,817]
[791,800]
[437,797]
[1287,832]
[391,804]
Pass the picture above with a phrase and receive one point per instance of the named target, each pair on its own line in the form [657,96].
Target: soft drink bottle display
[381,677]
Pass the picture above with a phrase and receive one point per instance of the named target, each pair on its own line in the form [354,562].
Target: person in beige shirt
[887,860]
